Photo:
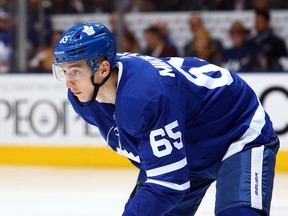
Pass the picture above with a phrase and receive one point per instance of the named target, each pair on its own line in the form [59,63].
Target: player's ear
[104,67]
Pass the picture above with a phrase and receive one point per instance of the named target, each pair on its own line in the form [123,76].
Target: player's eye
[75,72]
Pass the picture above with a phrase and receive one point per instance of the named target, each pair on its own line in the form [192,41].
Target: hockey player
[183,122]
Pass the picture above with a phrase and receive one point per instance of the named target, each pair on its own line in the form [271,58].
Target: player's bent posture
[182,121]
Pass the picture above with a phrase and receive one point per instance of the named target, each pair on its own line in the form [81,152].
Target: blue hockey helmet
[88,41]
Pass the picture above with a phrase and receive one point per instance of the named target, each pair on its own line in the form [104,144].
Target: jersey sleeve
[162,156]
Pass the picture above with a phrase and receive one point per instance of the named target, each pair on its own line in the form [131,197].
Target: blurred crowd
[93,6]
[262,51]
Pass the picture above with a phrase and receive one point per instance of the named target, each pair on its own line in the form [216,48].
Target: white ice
[46,191]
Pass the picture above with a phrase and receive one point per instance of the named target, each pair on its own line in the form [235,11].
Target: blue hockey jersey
[176,118]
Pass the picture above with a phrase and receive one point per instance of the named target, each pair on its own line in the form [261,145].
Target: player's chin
[82,98]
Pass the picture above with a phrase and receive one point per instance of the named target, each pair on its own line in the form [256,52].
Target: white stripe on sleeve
[179,187]
[256,125]
[167,168]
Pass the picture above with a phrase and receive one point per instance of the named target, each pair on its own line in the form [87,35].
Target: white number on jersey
[162,146]
[200,76]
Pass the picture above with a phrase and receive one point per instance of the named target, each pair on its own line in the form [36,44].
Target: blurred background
[46,148]
[243,35]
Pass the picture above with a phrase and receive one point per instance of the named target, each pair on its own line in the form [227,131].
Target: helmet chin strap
[96,89]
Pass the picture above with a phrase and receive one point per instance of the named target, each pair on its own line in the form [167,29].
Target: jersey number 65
[160,142]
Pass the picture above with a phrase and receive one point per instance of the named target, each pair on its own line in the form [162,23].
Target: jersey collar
[120,71]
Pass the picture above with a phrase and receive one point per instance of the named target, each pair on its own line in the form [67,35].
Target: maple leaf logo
[89,30]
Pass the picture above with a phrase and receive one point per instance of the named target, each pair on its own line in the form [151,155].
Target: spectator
[130,43]
[241,57]
[196,24]
[43,59]
[204,47]
[271,47]
[162,26]
[6,40]
[156,46]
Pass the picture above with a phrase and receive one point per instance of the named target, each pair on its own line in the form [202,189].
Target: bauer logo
[256,184]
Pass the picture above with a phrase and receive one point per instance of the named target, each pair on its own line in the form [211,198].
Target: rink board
[62,156]
[39,127]
[82,157]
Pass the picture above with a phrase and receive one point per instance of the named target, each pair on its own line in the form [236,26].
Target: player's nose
[69,84]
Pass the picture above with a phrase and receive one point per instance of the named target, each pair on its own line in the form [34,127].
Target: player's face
[81,88]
